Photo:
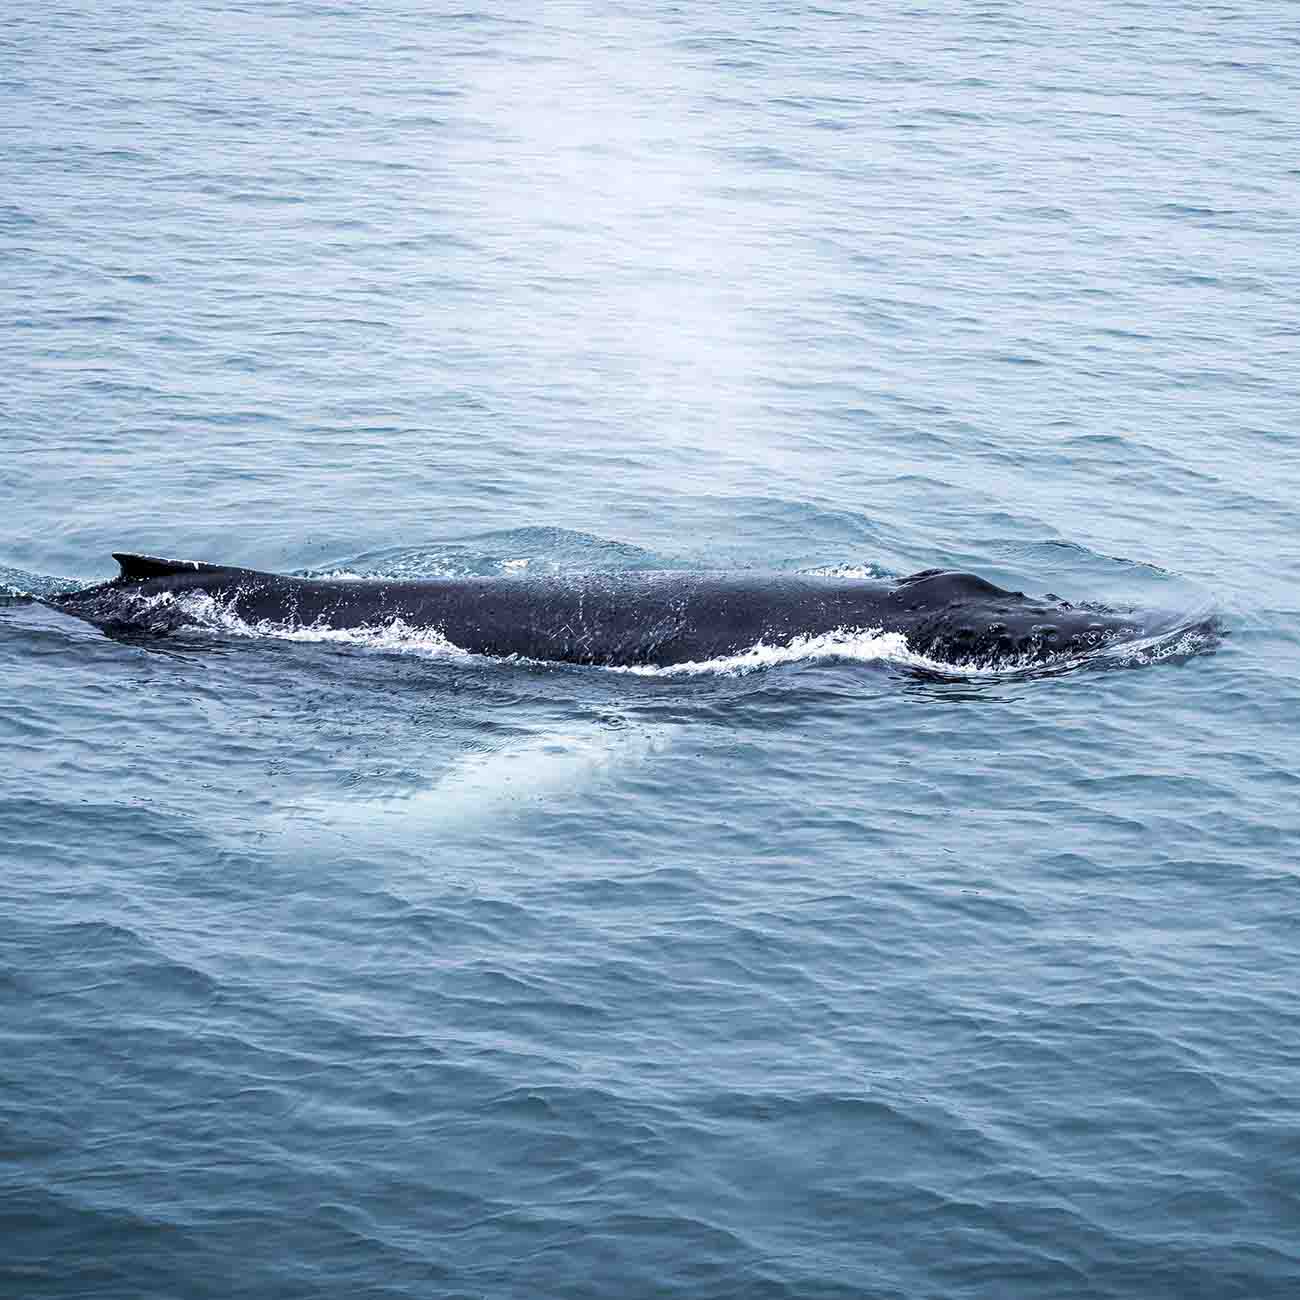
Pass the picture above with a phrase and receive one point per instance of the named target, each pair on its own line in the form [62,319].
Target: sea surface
[358,967]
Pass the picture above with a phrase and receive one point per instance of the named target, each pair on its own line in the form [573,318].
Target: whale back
[617,619]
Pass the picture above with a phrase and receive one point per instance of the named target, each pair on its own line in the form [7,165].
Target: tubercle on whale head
[1014,629]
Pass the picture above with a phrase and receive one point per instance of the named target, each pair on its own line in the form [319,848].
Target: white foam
[846,645]
[351,575]
[845,571]
[1178,644]
[204,613]
[862,646]
[874,645]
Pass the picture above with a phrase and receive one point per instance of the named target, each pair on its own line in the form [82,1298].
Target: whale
[619,619]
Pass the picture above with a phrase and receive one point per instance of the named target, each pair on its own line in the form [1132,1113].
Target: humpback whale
[623,618]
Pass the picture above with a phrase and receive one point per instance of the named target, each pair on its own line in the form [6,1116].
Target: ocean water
[360,967]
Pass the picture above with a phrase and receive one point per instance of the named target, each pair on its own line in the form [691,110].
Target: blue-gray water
[365,970]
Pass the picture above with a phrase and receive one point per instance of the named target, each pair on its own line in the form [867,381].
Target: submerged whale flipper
[136,568]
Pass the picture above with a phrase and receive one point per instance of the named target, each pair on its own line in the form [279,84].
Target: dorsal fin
[136,568]
[955,582]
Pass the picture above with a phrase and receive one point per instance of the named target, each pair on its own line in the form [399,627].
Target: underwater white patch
[487,785]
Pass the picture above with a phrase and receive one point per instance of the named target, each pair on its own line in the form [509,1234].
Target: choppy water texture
[362,968]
